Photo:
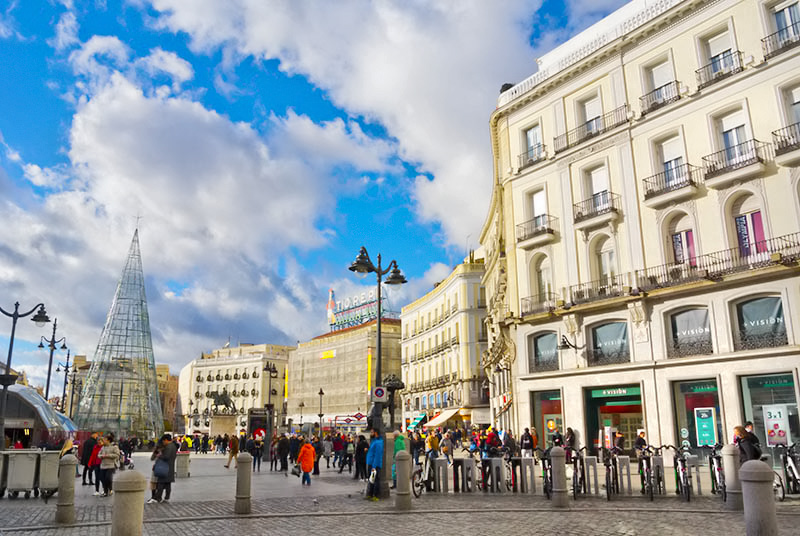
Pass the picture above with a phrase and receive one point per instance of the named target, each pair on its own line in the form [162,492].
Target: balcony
[720,68]
[544,365]
[672,185]
[541,303]
[537,232]
[600,289]
[596,357]
[787,145]
[669,275]
[601,208]
[738,162]
[591,128]
[781,41]
[532,156]
[744,341]
[690,347]
[660,96]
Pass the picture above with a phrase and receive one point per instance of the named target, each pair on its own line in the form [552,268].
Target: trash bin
[182,462]
[48,473]
[21,472]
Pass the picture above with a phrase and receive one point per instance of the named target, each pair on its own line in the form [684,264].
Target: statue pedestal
[223,424]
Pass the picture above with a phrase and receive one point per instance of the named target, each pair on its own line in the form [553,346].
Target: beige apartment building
[643,237]
[444,337]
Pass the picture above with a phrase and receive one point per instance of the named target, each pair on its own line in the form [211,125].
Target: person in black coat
[283,452]
[747,443]
[361,458]
[166,450]
[294,448]
[86,454]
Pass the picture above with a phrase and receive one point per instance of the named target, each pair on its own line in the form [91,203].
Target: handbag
[296,469]
[161,469]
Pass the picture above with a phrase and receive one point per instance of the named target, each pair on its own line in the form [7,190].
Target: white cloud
[160,61]
[66,32]
[46,177]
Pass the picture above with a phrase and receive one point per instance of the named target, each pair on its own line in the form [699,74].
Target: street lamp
[273,373]
[301,406]
[40,319]
[363,265]
[51,343]
[321,394]
[79,383]
[66,375]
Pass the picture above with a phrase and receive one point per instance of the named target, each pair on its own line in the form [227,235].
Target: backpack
[351,448]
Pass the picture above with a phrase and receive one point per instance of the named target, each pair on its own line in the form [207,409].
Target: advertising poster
[776,422]
[705,420]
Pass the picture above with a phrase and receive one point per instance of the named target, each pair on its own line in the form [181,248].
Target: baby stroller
[125,461]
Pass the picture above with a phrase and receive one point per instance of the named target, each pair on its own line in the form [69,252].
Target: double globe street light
[51,343]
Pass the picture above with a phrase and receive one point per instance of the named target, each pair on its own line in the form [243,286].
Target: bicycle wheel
[721,488]
[648,483]
[687,490]
[659,480]
[416,483]
[509,477]
[575,484]
[547,484]
[778,488]
[609,484]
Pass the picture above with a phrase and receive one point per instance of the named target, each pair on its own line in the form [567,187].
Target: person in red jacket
[94,464]
[306,459]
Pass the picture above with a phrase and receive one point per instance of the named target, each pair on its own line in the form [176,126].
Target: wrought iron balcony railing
[669,275]
[599,203]
[721,67]
[660,96]
[689,347]
[672,179]
[596,357]
[544,365]
[786,139]
[753,341]
[531,156]
[781,41]
[600,289]
[541,303]
[735,157]
[541,224]
[591,128]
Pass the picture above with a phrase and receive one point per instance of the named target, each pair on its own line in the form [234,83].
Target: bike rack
[463,471]
[492,469]
[624,464]
[694,461]
[590,467]
[524,471]
[439,468]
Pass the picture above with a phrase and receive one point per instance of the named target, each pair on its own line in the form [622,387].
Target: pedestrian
[305,457]
[747,443]
[399,444]
[234,451]
[446,447]
[753,437]
[327,449]
[273,453]
[510,443]
[374,462]
[417,447]
[109,461]
[86,454]
[166,453]
[526,444]
[256,449]
[94,465]
[348,451]
[570,442]
[317,444]
[283,452]
[361,449]
[558,439]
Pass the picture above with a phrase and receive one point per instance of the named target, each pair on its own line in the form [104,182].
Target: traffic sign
[379,394]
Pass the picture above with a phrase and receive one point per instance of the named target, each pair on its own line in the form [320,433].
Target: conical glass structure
[120,393]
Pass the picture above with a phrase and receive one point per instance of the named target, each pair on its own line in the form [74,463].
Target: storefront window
[547,415]
[543,352]
[769,402]
[697,415]
[609,344]
[611,409]
[691,333]
[760,324]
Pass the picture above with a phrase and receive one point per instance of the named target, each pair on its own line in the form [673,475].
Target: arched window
[609,344]
[681,240]
[604,260]
[424,402]
[416,403]
[542,352]
[760,324]
[541,280]
[690,333]
[748,226]
[438,400]
[445,400]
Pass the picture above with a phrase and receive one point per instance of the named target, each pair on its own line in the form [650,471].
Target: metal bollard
[558,457]
[243,475]
[440,480]
[759,500]
[693,461]
[590,467]
[65,508]
[468,477]
[733,486]
[127,512]
[402,496]
[624,464]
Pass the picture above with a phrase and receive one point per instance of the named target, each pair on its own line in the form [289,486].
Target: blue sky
[261,143]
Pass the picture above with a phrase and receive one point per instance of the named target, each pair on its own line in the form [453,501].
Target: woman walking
[109,461]
[306,458]
[164,453]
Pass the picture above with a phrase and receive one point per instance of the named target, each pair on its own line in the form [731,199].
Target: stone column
[65,508]
[127,513]
[402,497]
[558,457]
[759,499]
[733,487]
[243,476]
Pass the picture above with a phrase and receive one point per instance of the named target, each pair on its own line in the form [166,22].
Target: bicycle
[789,463]
[683,475]
[478,476]
[578,472]
[646,472]
[717,473]
[612,471]
[547,472]
[658,473]
[422,477]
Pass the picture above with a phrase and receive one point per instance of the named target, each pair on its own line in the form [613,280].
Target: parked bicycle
[789,462]
[578,472]
[612,471]
[547,472]
[646,472]
[683,475]
[422,477]
[717,473]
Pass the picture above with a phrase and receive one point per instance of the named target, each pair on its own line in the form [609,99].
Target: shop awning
[415,422]
[442,418]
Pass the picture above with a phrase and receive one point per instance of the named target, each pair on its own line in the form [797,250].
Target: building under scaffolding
[120,394]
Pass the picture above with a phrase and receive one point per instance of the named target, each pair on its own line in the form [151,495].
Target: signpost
[776,423]
[705,420]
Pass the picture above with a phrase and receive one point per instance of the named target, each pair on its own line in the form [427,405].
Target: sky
[256,144]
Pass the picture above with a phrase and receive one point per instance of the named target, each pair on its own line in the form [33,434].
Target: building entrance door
[613,409]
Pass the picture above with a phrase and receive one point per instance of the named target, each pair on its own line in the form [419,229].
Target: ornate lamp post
[51,343]
[75,382]
[320,415]
[301,405]
[273,373]
[363,265]
[40,319]
[66,376]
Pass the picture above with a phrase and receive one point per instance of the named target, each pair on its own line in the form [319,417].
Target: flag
[331,307]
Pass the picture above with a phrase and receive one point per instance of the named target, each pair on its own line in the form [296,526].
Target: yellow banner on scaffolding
[369,370]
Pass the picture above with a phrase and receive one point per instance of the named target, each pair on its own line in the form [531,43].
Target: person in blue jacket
[374,461]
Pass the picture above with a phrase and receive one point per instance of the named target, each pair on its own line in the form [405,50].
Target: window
[748,226]
[792,99]
[538,206]
[541,279]
[609,344]
[432,401]
[720,53]
[733,135]
[597,183]
[424,402]
[533,146]
[760,324]
[682,240]
[690,333]
[592,112]
[542,352]
[670,158]
[604,260]
[659,75]
[444,400]
[787,21]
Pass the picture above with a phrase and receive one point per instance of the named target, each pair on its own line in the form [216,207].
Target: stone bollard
[402,496]
[558,458]
[65,508]
[127,512]
[182,461]
[759,499]
[733,487]
[243,475]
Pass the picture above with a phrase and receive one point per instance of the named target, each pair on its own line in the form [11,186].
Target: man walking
[374,461]
[86,454]
[234,446]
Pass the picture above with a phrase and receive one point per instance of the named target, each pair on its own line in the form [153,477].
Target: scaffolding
[120,393]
